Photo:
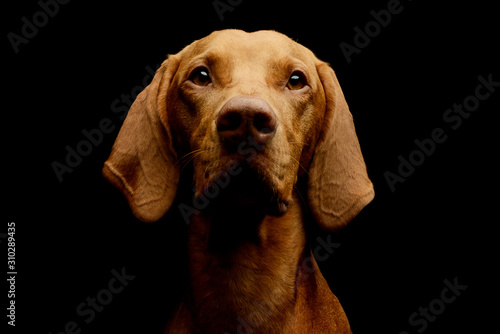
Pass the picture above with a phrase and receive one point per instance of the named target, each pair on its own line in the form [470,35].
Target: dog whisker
[300,165]
[187,158]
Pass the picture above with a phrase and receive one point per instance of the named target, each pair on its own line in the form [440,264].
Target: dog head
[255,106]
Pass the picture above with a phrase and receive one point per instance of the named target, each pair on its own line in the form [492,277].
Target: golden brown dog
[261,129]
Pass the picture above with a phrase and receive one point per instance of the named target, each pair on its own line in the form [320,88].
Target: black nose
[243,117]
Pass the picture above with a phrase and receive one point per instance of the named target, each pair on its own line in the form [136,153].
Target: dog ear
[338,185]
[142,163]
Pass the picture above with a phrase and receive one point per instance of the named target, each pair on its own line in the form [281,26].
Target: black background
[439,224]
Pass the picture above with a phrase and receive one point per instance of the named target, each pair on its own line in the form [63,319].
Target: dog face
[258,102]
[252,100]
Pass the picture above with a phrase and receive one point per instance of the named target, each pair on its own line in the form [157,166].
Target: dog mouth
[243,187]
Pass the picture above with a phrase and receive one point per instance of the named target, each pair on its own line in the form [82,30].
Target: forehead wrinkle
[210,58]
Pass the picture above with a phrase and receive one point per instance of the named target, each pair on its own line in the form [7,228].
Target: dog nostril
[231,126]
[229,121]
[263,126]
[264,123]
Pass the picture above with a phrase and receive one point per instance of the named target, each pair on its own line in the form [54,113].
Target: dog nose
[243,117]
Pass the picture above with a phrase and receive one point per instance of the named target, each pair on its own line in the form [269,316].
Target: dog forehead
[254,46]
[249,40]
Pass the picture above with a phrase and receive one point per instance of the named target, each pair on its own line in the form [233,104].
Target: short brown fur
[250,267]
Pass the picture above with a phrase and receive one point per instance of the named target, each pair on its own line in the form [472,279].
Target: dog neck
[243,269]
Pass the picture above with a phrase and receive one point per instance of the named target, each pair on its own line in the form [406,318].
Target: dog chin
[244,188]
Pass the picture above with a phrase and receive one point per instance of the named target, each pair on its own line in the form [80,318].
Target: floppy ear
[338,185]
[142,163]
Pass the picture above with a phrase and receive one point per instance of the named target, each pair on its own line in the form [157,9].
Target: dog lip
[283,206]
[252,189]
[277,207]
[247,188]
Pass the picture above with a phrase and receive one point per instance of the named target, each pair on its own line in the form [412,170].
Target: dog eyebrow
[212,59]
[282,68]
[208,58]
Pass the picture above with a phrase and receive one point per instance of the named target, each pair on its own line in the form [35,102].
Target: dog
[261,131]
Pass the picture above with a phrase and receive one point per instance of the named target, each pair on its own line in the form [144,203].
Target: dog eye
[297,81]
[200,77]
